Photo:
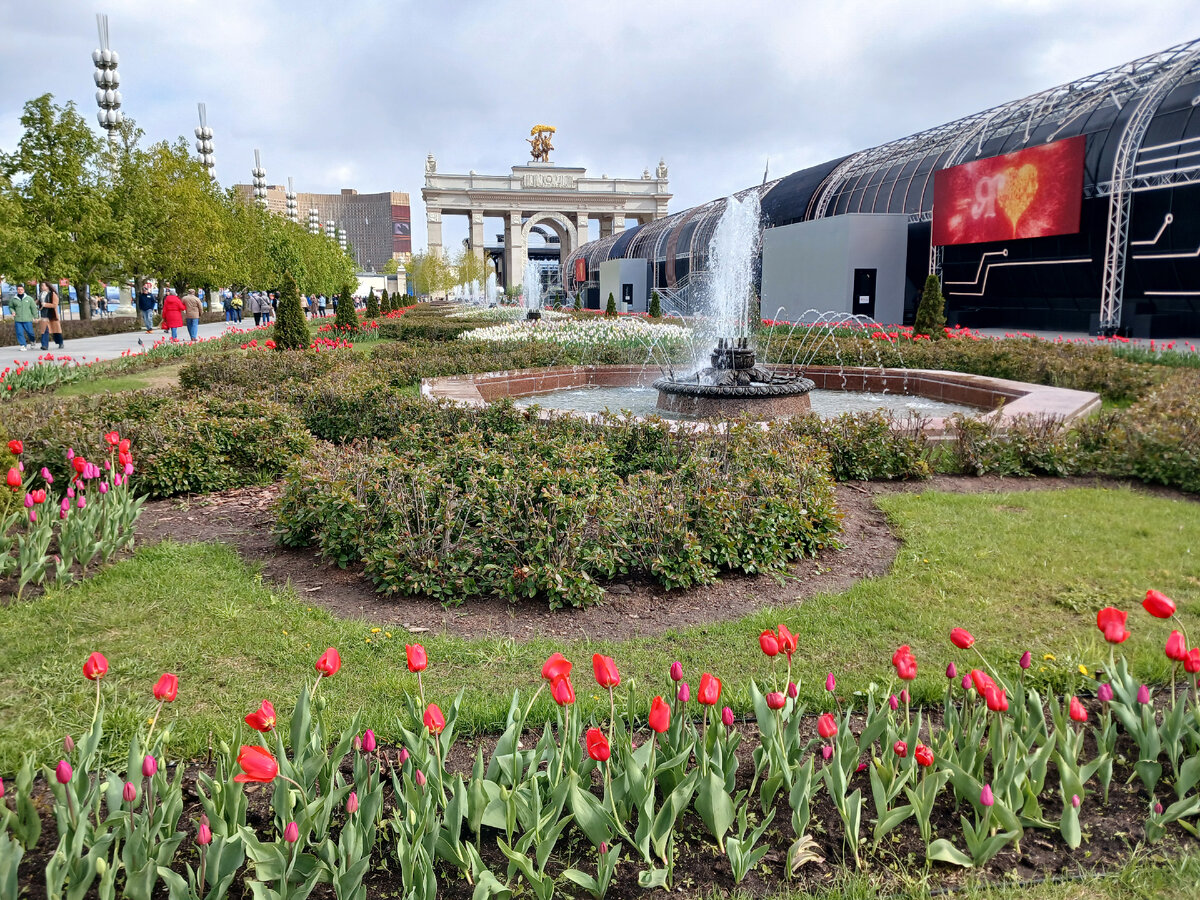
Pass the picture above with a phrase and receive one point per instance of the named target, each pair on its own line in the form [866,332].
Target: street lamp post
[293,212]
[204,142]
[108,98]
[314,220]
[259,174]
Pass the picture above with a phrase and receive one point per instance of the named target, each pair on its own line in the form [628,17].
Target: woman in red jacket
[173,310]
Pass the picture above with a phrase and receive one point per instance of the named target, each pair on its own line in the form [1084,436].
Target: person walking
[172,313]
[191,315]
[50,322]
[322,302]
[25,309]
[146,302]
[237,303]
[256,308]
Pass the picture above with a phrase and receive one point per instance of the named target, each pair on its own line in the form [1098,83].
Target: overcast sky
[356,93]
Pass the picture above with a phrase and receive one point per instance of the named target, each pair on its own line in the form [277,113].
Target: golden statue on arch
[540,145]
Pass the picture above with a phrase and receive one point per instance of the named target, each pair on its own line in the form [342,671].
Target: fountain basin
[1000,398]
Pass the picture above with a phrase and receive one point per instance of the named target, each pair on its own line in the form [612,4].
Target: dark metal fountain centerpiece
[733,385]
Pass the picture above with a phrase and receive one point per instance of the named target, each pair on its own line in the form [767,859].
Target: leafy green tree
[931,313]
[291,329]
[655,306]
[390,267]
[16,248]
[372,310]
[611,308]
[63,215]
[347,316]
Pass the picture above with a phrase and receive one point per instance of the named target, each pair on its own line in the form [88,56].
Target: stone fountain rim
[754,389]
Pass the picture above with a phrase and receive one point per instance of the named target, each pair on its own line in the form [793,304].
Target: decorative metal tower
[293,213]
[341,238]
[204,142]
[108,98]
[259,174]
[314,221]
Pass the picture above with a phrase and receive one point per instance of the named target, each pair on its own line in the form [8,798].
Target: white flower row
[584,334]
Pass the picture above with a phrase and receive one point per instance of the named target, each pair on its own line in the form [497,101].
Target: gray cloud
[355,94]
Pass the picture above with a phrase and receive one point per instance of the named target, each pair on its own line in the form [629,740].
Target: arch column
[433,230]
[477,234]
[514,248]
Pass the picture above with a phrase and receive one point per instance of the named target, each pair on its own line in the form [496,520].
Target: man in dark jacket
[146,302]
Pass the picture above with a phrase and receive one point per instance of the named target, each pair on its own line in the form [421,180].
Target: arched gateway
[539,196]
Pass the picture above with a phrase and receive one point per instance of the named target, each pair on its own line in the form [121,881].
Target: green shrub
[372,309]
[655,309]
[1158,438]
[346,317]
[931,311]
[464,503]
[291,327]
[385,302]
[869,446]
[411,327]
[611,308]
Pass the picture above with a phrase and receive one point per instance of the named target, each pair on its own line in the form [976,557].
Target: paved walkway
[111,346]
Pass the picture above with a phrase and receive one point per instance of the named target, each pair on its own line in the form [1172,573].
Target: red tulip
[129,792]
[16,448]
[562,691]
[776,700]
[1191,665]
[597,745]
[900,749]
[980,679]
[924,755]
[660,715]
[14,479]
[433,719]
[710,690]
[95,667]
[417,658]
[607,675]
[112,438]
[1078,713]
[80,464]
[167,688]
[788,642]
[769,643]
[557,666]
[961,638]
[1176,649]
[905,663]
[257,764]
[330,662]
[38,495]
[1158,604]
[263,718]
[1111,621]
[997,700]
[352,803]
[827,726]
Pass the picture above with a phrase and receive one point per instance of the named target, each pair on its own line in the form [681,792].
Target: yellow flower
[1082,669]
[285,631]
[387,634]
[368,640]
[376,630]
[1049,656]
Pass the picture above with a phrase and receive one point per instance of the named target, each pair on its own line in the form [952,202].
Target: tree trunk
[84,296]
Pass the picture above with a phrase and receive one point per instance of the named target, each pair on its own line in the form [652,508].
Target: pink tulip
[403,755]
[904,695]
[63,771]
[419,778]
[32,516]
[71,493]
[68,744]
[129,792]
[291,834]
[830,682]
[204,832]
[1104,693]
[951,671]
[1075,801]
[1026,660]
[46,476]
[986,798]
[368,741]
[826,752]
[149,766]
[1,788]
[80,501]
[29,501]
[727,717]
[685,692]
[966,682]
[103,487]
[128,468]
[70,454]
[676,671]
[893,703]
[352,803]
[1143,695]
[792,690]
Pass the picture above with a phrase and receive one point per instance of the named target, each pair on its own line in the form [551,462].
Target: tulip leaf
[715,807]
[1189,775]
[653,878]
[591,817]
[942,850]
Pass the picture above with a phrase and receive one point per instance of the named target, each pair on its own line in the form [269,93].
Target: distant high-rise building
[378,226]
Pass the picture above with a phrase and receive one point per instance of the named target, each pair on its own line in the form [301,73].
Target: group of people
[41,311]
[177,312]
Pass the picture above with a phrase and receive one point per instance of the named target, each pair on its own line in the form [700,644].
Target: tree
[346,319]
[291,330]
[62,209]
[579,299]
[391,267]
[931,313]
[385,302]
[16,247]
[655,306]
[372,310]
[469,267]
[611,308]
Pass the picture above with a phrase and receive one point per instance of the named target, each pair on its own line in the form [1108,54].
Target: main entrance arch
[539,194]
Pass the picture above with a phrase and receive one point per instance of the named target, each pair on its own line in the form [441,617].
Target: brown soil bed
[243,519]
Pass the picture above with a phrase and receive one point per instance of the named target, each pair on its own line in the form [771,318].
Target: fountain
[489,290]
[531,291]
[734,383]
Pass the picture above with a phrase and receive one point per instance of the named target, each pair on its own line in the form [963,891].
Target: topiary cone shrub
[385,302]
[291,330]
[931,313]
[372,310]
[611,308]
[346,319]
[655,306]
[579,300]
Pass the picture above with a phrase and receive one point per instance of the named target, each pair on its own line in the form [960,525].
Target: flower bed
[586,335]
[656,791]
[471,504]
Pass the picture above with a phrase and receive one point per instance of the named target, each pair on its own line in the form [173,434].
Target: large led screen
[1031,193]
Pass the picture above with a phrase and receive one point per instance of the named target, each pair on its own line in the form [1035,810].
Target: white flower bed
[500,314]
[586,334]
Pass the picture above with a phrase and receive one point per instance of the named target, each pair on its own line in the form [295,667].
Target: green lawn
[1020,570]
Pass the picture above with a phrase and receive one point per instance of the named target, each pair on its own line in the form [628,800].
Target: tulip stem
[612,714]
[96,708]
[303,793]
[421,686]
[203,863]
[153,722]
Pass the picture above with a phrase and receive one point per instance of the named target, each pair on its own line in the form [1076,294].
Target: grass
[1024,570]
[163,376]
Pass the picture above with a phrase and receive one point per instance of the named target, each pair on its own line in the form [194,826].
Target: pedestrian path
[111,346]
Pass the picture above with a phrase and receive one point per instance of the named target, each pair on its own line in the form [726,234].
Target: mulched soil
[243,519]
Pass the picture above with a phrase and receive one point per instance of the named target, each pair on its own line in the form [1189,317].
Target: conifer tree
[931,313]
[346,320]
[291,329]
[372,310]
[385,302]
[579,300]
[611,308]
[655,306]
